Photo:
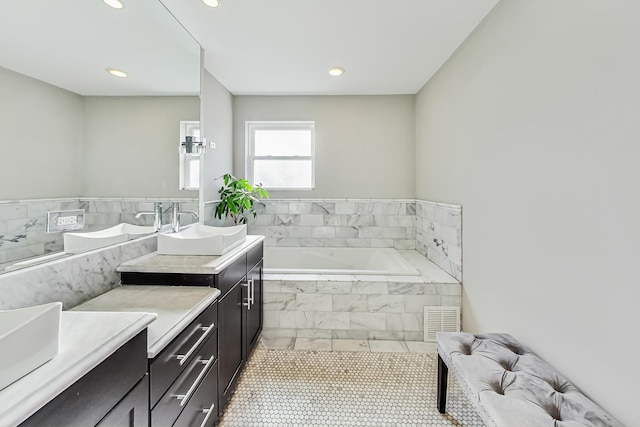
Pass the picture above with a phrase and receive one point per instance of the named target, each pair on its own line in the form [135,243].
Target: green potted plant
[237,197]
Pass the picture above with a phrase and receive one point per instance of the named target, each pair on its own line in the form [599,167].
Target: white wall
[131,145]
[533,126]
[40,139]
[216,126]
[364,144]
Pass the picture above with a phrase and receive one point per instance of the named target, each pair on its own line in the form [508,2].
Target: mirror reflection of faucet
[175,216]
[157,216]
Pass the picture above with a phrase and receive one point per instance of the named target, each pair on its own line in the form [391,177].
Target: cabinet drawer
[182,390]
[166,367]
[231,275]
[202,409]
[254,256]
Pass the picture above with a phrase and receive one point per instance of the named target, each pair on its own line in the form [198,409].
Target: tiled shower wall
[23,223]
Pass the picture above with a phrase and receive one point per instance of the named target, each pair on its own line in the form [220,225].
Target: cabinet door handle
[252,283]
[249,301]
[184,357]
[184,398]
[208,412]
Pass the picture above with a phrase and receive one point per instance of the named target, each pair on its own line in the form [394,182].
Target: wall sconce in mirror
[191,147]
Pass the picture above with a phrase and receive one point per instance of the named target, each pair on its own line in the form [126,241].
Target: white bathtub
[312,260]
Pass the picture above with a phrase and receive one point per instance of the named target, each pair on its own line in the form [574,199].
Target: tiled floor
[322,382]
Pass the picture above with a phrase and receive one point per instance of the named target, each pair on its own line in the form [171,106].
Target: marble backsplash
[23,223]
[73,279]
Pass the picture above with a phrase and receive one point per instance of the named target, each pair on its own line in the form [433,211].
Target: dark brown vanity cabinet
[240,318]
[181,376]
[114,393]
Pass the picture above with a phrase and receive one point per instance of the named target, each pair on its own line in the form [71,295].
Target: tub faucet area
[175,216]
[157,216]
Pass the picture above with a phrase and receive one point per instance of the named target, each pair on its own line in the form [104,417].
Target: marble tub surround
[86,340]
[175,306]
[361,307]
[382,223]
[439,235]
[72,279]
[23,222]
[188,264]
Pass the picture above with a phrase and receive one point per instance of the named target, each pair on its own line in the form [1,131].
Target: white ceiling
[70,43]
[286,46]
[251,46]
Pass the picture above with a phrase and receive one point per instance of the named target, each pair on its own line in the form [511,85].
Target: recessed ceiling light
[115,72]
[336,71]
[116,4]
[211,3]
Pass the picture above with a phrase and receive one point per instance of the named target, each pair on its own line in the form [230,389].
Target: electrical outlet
[61,221]
[67,220]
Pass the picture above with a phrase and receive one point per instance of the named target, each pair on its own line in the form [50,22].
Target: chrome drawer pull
[184,398]
[184,357]
[208,412]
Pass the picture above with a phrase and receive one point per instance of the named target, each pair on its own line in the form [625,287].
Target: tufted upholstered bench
[510,386]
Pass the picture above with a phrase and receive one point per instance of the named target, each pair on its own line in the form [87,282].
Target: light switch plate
[61,221]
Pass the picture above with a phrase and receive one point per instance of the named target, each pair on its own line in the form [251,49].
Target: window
[280,155]
[189,162]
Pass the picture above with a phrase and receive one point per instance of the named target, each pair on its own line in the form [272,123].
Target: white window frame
[250,129]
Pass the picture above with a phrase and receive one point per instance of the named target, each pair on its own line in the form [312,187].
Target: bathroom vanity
[182,349]
[238,277]
[99,372]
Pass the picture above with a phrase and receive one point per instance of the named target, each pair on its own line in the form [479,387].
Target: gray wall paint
[533,127]
[364,144]
[131,145]
[40,139]
[217,124]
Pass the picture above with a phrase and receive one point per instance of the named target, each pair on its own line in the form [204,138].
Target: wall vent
[440,319]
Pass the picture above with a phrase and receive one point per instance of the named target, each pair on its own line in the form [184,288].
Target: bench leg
[443,373]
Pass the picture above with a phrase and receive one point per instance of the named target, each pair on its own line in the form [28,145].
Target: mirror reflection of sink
[201,239]
[81,242]
[29,337]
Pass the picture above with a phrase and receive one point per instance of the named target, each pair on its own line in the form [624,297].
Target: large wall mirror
[74,136]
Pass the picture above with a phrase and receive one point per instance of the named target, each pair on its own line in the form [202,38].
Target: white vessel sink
[75,243]
[202,240]
[29,337]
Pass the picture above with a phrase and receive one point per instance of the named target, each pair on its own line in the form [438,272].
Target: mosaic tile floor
[287,387]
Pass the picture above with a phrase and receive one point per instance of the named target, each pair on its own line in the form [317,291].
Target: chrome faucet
[175,216]
[157,216]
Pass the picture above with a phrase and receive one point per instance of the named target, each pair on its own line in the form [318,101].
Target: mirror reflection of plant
[237,197]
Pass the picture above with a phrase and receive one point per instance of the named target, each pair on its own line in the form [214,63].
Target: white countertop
[175,306]
[86,340]
[188,264]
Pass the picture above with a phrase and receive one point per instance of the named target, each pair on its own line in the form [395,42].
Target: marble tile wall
[23,223]
[355,309]
[382,223]
[22,228]
[438,230]
[73,279]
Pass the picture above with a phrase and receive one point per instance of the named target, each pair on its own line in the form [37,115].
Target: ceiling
[257,47]
[278,47]
[70,43]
